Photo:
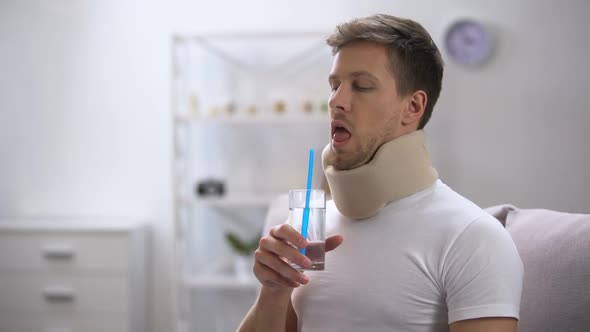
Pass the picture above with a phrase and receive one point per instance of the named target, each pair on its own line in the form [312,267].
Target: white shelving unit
[246,110]
[243,120]
[233,202]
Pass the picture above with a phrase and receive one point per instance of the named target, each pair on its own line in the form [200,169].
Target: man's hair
[415,61]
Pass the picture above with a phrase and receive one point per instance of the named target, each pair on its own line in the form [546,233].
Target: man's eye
[334,87]
[362,87]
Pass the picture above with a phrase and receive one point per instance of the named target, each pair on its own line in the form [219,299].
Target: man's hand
[275,250]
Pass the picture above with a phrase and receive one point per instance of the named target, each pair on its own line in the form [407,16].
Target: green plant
[242,247]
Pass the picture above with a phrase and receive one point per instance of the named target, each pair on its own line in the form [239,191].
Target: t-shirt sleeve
[482,273]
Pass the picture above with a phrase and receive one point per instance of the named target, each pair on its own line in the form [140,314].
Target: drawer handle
[59,294]
[58,329]
[58,252]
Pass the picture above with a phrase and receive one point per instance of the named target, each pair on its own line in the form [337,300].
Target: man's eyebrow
[355,74]
[363,73]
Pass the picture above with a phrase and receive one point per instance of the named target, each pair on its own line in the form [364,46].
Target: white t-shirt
[421,263]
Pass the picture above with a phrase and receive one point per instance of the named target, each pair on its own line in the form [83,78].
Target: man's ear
[416,104]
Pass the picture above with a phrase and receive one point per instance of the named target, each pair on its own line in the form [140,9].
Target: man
[417,255]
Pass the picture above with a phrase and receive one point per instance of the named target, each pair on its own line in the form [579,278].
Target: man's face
[365,107]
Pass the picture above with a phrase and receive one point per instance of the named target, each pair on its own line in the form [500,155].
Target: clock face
[468,42]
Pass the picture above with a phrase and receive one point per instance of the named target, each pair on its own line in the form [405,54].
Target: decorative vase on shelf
[244,255]
[280,107]
[243,267]
[308,107]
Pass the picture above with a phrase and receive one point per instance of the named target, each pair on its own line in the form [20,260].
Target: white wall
[84,104]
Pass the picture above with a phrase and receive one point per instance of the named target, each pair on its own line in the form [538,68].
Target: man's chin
[331,157]
[337,158]
[342,148]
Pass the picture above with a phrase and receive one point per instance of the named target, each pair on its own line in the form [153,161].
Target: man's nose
[340,99]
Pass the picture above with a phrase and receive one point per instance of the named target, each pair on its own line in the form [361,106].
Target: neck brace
[400,168]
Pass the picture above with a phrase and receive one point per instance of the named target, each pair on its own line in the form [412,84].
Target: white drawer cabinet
[36,293]
[72,276]
[64,323]
[38,250]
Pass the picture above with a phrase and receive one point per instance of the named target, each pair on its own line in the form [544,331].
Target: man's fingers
[332,242]
[282,249]
[271,278]
[288,233]
[276,264]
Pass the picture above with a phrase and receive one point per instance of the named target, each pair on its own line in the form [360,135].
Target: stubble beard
[348,160]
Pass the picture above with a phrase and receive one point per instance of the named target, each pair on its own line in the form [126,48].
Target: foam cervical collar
[400,168]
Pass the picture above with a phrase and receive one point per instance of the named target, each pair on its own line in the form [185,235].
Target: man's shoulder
[445,211]
[439,201]
[457,214]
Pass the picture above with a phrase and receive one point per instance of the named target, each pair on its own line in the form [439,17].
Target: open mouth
[340,134]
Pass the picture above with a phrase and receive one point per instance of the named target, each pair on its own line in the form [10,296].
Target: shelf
[220,282]
[232,201]
[322,118]
[236,201]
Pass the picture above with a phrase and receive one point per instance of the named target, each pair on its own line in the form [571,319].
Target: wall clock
[468,42]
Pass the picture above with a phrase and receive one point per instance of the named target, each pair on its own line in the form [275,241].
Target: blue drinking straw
[305,222]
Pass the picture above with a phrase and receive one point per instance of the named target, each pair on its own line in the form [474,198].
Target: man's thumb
[332,242]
